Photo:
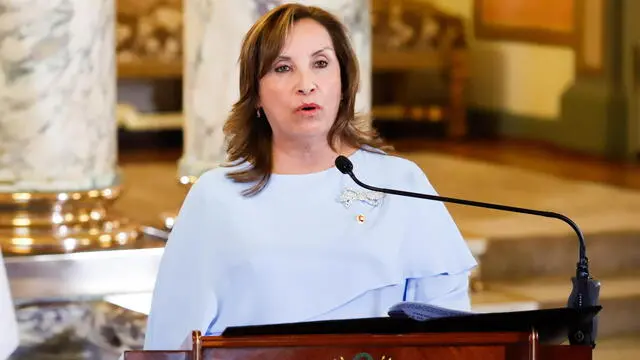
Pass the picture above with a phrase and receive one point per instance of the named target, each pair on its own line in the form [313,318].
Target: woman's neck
[306,158]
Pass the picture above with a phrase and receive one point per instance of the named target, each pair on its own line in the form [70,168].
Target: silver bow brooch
[348,196]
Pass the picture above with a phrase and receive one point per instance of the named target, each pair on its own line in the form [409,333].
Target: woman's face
[301,92]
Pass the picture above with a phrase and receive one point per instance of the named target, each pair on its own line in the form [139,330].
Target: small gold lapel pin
[360,218]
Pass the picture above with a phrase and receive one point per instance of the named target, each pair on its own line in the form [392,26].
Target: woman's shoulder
[209,180]
[379,162]
[215,181]
[219,174]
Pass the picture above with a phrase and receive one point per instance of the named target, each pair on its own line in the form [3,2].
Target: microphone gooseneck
[346,167]
[585,292]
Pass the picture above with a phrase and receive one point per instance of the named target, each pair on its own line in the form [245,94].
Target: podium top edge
[452,338]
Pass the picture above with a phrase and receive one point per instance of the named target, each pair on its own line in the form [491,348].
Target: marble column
[214,30]
[58,130]
[57,95]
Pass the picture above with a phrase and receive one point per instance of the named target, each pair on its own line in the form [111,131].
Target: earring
[258,113]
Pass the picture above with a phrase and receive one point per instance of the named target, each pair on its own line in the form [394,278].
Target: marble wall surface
[213,36]
[57,95]
[8,325]
[77,330]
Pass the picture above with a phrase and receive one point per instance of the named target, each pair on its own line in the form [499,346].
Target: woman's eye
[321,63]
[282,68]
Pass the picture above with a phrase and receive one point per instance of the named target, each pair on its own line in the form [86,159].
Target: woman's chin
[311,129]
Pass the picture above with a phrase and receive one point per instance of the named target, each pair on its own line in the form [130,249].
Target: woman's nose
[306,90]
[306,84]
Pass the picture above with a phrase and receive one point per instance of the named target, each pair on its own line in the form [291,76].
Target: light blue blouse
[300,251]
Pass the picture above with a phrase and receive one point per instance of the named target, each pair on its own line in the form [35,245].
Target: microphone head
[344,164]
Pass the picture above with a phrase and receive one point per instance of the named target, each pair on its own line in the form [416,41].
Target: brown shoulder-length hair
[248,134]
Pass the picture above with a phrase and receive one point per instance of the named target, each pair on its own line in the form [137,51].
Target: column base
[33,223]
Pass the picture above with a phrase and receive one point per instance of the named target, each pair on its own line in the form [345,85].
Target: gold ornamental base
[34,223]
[168,218]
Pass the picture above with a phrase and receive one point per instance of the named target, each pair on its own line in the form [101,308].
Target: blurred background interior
[107,117]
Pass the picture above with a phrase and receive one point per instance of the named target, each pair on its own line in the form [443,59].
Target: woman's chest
[321,224]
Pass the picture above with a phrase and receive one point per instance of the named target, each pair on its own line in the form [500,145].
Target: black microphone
[586,290]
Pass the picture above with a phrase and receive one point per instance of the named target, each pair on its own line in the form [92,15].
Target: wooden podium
[488,337]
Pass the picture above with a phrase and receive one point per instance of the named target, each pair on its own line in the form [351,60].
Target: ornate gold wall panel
[149,38]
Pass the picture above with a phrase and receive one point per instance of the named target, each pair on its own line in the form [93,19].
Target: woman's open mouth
[308,108]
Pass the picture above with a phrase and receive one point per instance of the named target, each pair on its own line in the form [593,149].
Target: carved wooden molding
[549,22]
[405,34]
[129,118]
[413,34]
[590,46]
[578,24]
[149,38]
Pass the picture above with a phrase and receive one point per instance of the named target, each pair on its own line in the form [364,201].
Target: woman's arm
[182,301]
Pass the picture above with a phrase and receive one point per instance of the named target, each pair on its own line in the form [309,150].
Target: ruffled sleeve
[434,245]
[182,302]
